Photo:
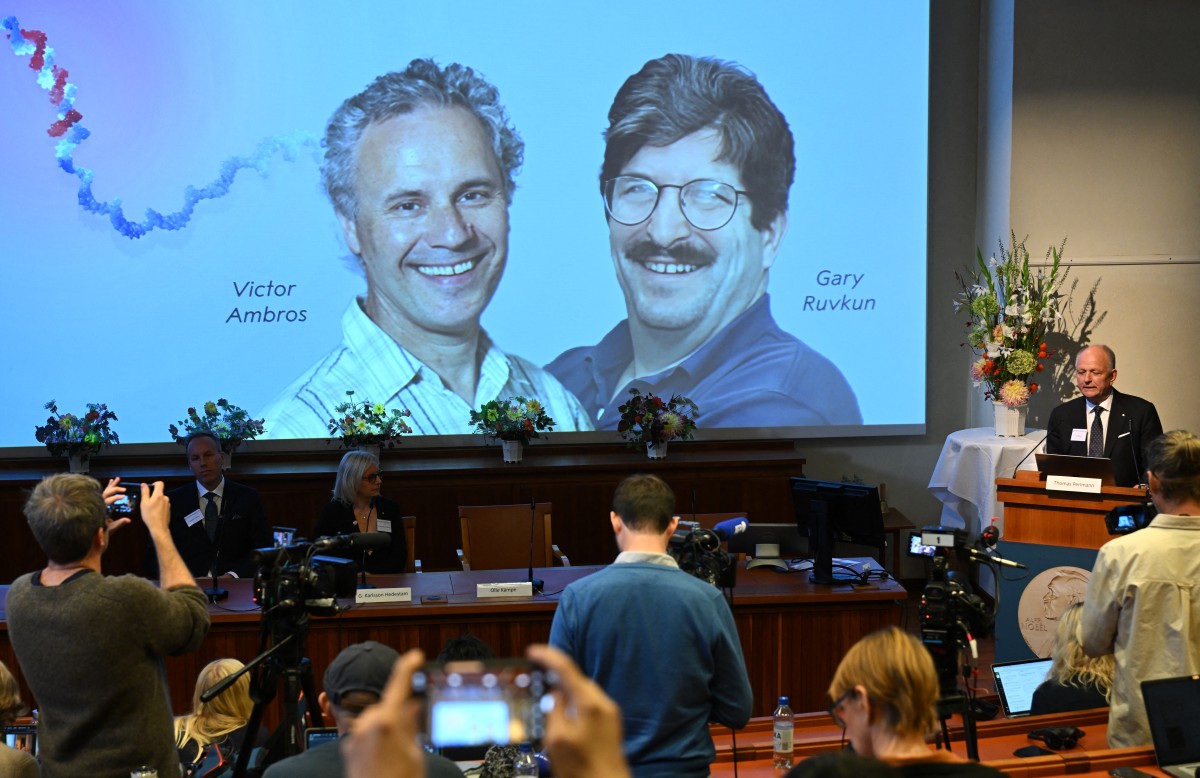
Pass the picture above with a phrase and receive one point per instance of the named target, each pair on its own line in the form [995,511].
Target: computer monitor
[828,512]
[770,545]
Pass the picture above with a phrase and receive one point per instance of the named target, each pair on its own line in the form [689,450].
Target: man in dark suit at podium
[1104,422]
[214,517]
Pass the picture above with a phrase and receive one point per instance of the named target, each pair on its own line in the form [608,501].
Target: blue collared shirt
[750,374]
[379,369]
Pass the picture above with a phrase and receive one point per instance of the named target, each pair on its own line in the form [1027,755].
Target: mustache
[682,253]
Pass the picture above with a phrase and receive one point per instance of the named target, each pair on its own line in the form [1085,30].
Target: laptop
[1016,683]
[1173,709]
[1076,467]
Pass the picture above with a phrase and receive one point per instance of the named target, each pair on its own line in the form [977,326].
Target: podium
[1071,519]
[1056,535]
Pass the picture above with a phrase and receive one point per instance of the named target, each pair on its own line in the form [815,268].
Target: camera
[127,503]
[292,579]
[1124,519]
[950,613]
[698,553]
[475,703]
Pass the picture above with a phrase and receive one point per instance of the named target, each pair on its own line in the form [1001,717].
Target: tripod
[285,661]
[952,700]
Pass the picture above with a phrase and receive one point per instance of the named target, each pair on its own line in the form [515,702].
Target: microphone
[1133,445]
[978,556]
[216,593]
[730,527]
[362,569]
[353,541]
[1027,453]
[537,583]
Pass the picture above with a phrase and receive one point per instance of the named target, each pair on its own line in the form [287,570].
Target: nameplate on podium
[517,589]
[1072,483]
[393,594]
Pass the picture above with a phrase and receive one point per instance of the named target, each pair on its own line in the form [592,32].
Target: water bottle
[525,763]
[784,728]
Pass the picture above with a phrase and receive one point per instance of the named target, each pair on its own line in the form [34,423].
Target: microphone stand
[362,581]
[216,593]
[538,583]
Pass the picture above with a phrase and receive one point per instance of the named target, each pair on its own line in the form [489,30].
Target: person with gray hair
[91,646]
[420,169]
[358,506]
[1142,604]
[697,166]
[1104,422]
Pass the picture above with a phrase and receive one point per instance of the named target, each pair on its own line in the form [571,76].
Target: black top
[337,518]
[1054,697]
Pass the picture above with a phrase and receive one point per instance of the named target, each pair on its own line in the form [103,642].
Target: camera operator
[583,730]
[1141,603]
[90,646]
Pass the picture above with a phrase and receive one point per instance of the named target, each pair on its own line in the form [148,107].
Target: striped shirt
[379,369]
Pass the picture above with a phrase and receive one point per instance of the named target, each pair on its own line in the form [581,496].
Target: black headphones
[1058,738]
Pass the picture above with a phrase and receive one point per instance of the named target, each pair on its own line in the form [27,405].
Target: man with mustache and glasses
[697,166]
[419,167]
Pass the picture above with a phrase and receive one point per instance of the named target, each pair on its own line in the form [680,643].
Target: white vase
[79,461]
[512,450]
[371,448]
[1010,422]
[228,461]
[658,451]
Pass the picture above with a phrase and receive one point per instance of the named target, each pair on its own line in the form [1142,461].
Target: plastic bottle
[525,763]
[784,729]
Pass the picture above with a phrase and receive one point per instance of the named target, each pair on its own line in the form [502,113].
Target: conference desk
[815,733]
[793,633]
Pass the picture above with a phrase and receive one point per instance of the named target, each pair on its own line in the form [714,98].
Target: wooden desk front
[793,633]
[1076,519]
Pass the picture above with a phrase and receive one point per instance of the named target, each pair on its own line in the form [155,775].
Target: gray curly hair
[423,83]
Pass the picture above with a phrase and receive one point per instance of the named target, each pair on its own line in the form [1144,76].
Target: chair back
[496,537]
[410,538]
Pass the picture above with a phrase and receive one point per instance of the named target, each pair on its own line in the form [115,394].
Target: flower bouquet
[364,423]
[77,437]
[1011,310]
[514,419]
[649,420]
[228,423]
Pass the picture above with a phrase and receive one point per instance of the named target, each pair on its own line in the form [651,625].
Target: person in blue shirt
[660,642]
[697,166]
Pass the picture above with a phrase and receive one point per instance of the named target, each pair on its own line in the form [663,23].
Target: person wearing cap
[354,681]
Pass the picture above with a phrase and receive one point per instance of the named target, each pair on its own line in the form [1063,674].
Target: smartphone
[1128,772]
[494,702]
[127,503]
[315,736]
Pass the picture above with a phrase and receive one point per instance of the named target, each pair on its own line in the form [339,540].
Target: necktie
[1096,439]
[210,514]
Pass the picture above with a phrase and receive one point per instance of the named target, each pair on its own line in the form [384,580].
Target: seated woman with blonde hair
[885,694]
[213,733]
[14,762]
[1075,680]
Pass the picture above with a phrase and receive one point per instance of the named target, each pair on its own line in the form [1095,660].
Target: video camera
[950,613]
[1125,519]
[698,553]
[294,579]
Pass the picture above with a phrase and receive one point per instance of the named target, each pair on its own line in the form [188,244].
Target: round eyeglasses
[373,477]
[706,204]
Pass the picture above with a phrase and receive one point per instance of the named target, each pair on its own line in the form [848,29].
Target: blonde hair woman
[13,762]
[884,696]
[221,721]
[1075,680]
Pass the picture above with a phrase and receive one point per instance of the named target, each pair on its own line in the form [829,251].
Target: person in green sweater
[91,647]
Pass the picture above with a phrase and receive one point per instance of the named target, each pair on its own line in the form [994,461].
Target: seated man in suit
[214,518]
[1104,422]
